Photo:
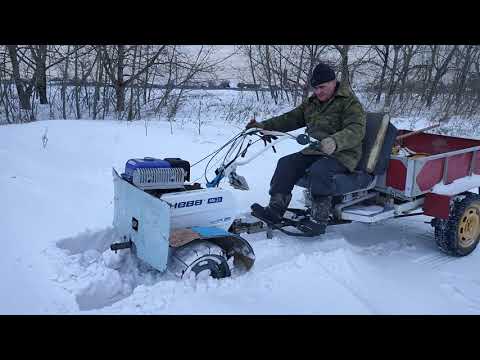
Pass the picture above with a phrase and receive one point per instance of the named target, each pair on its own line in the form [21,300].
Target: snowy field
[56,232]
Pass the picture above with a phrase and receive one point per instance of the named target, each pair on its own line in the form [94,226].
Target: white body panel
[204,207]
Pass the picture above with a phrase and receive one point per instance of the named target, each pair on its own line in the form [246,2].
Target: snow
[457,186]
[56,232]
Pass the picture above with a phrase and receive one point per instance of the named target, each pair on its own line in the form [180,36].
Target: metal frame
[408,206]
[450,153]
[388,212]
[472,163]
[339,207]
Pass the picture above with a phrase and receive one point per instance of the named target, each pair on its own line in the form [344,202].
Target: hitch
[239,227]
[119,246]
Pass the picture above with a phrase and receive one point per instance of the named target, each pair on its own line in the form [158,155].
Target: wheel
[199,259]
[460,233]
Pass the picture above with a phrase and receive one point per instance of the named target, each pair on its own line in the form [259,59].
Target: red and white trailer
[436,174]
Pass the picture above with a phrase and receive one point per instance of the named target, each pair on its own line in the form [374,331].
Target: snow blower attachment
[173,225]
[190,230]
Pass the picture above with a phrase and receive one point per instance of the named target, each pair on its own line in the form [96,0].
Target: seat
[374,161]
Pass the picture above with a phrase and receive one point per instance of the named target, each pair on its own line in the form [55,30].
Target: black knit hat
[322,73]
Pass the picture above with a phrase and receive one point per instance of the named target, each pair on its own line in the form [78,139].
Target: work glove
[253,124]
[327,146]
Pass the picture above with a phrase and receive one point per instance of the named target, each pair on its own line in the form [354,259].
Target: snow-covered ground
[56,230]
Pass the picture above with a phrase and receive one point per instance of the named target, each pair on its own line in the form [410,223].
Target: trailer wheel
[460,233]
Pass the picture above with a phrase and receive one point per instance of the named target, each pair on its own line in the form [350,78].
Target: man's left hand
[328,146]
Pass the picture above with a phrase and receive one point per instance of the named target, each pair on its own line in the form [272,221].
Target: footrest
[306,227]
[259,212]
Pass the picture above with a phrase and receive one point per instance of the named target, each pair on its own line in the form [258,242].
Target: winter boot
[320,210]
[273,213]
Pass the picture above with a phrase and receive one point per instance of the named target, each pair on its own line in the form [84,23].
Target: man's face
[325,90]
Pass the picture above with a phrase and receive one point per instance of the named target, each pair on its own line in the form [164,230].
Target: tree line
[96,81]
[407,79]
[100,81]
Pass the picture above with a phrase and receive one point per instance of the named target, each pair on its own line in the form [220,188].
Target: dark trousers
[292,168]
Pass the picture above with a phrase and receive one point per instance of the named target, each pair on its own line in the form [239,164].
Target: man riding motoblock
[335,118]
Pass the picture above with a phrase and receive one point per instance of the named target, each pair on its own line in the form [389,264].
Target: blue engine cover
[145,163]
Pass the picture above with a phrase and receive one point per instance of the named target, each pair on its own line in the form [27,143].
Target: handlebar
[272,137]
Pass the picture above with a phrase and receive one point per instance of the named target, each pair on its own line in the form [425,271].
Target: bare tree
[115,63]
[408,52]
[440,61]
[343,51]
[466,59]
[63,90]
[393,71]
[24,90]
[134,65]
[252,68]
[383,53]
[99,81]
[39,57]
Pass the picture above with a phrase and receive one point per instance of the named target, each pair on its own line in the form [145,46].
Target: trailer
[435,175]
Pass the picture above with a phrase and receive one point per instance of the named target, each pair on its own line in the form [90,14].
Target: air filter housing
[152,174]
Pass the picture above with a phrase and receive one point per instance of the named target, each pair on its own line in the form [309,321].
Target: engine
[157,174]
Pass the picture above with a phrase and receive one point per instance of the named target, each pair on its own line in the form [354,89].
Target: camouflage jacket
[341,118]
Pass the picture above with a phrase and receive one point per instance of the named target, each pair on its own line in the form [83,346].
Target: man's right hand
[253,124]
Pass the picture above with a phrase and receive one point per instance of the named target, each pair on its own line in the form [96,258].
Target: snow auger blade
[199,259]
[232,245]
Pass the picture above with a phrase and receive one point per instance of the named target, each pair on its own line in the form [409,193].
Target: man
[335,118]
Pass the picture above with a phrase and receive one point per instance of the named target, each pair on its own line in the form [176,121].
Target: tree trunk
[120,96]
[407,57]
[392,84]
[382,75]
[343,50]
[24,96]
[39,55]
[268,72]
[63,91]
[463,75]
[98,82]
[428,78]
[119,83]
[438,76]
[130,103]
[3,92]
[252,69]
[42,78]
[77,85]
[299,73]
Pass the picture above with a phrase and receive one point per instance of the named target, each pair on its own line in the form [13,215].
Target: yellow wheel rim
[469,227]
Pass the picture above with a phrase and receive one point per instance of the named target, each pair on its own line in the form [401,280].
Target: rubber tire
[446,230]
